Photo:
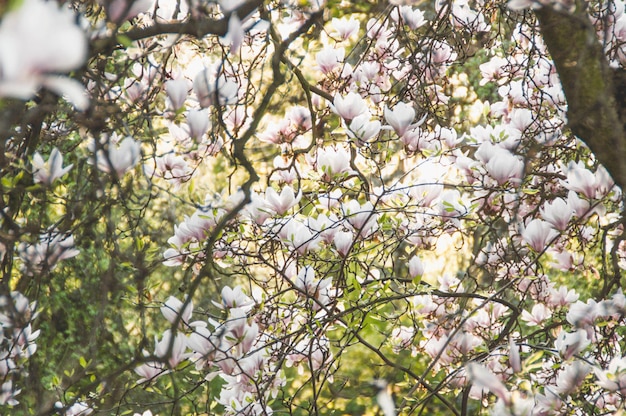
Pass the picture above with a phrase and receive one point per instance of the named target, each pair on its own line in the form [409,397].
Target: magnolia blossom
[198,122]
[38,40]
[334,162]
[121,10]
[51,170]
[345,28]
[482,378]
[234,35]
[416,267]
[52,248]
[538,314]
[76,409]
[505,167]
[538,234]
[329,58]
[350,106]
[413,18]
[343,241]
[171,310]
[119,158]
[614,377]
[235,298]
[557,213]
[363,128]
[571,343]
[400,118]
[177,91]
[211,90]
[362,218]
[171,348]
[281,203]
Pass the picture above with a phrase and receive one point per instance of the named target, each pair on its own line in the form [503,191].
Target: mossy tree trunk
[594,91]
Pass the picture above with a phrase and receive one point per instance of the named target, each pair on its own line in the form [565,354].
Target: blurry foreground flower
[37,41]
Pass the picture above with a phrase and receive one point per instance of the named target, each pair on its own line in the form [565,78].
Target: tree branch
[587,80]
[194,27]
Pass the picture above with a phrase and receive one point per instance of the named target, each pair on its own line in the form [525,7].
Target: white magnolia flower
[38,40]
[51,170]
[119,158]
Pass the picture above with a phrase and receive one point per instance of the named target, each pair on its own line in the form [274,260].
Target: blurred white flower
[37,41]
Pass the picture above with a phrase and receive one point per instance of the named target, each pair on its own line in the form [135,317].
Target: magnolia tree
[300,207]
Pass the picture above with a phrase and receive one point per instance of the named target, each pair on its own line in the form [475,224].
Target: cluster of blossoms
[17,342]
[447,188]
[229,348]
[364,181]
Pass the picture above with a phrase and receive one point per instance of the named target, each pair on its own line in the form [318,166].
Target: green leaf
[124,40]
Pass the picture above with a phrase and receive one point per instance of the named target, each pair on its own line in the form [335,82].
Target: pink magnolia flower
[329,58]
[514,356]
[77,409]
[177,91]
[582,180]
[345,28]
[400,118]
[363,128]
[580,206]
[210,90]
[281,203]
[198,122]
[582,314]
[174,354]
[8,393]
[51,170]
[362,218]
[150,371]
[538,234]
[234,35]
[413,18]
[416,267]
[614,377]
[297,235]
[505,167]
[122,10]
[334,162]
[557,213]
[235,298]
[309,284]
[171,167]
[343,241]
[569,344]
[571,376]
[38,40]
[538,314]
[493,69]
[483,378]
[52,248]
[203,343]
[350,106]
